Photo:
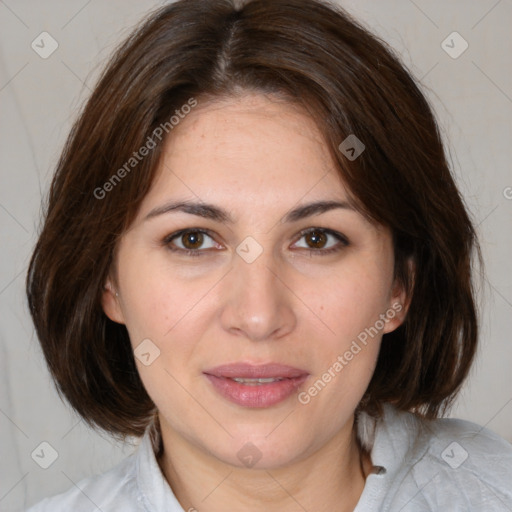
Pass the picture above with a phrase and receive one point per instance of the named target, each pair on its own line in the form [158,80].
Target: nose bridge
[258,303]
[258,277]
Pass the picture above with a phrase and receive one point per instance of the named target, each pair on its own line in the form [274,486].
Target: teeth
[256,382]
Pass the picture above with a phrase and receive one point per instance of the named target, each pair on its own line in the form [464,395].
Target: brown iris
[318,239]
[192,240]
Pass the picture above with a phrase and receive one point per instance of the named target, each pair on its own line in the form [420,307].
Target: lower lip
[261,395]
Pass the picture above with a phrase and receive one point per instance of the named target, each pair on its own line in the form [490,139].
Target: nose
[258,302]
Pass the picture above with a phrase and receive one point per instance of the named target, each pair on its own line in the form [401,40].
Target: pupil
[195,238]
[317,238]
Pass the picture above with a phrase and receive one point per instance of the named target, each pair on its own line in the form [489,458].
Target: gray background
[472,95]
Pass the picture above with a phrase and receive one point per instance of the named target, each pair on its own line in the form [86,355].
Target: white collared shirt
[419,466]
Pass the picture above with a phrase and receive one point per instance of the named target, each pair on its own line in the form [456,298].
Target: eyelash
[198,252]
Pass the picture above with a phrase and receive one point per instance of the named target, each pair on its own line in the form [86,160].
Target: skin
[258,158]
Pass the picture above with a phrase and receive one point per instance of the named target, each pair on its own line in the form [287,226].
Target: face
[297,296]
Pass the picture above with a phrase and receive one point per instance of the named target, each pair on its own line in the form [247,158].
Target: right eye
[189,241]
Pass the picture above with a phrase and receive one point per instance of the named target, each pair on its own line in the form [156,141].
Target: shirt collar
[394,442]
[154,489]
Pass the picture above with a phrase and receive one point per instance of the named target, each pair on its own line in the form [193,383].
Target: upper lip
[252,371]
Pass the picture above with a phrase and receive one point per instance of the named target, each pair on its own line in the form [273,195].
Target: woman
[255,258]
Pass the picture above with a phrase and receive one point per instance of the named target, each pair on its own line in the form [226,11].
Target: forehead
[253,150]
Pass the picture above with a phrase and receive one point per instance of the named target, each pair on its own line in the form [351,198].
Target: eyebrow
[210,211]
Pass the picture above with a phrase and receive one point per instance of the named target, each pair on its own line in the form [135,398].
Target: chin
[258,448]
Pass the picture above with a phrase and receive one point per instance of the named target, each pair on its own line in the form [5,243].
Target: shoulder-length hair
[306,52]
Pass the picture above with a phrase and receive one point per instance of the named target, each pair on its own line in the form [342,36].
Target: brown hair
[302,51]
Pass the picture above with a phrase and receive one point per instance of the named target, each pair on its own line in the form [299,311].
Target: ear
[399,302]
[110,303]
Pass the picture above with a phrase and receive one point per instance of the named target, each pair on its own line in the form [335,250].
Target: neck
[332,478]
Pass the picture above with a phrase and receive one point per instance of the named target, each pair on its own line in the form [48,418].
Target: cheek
[155,299]
[345,357]
[172,311]
[350,303]
[356,297]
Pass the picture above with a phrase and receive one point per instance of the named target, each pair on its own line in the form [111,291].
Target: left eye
[317,240]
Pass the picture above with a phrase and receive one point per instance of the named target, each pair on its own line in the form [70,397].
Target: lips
[255,386]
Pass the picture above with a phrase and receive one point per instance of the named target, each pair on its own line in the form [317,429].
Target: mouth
[256,382]
[255,386]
